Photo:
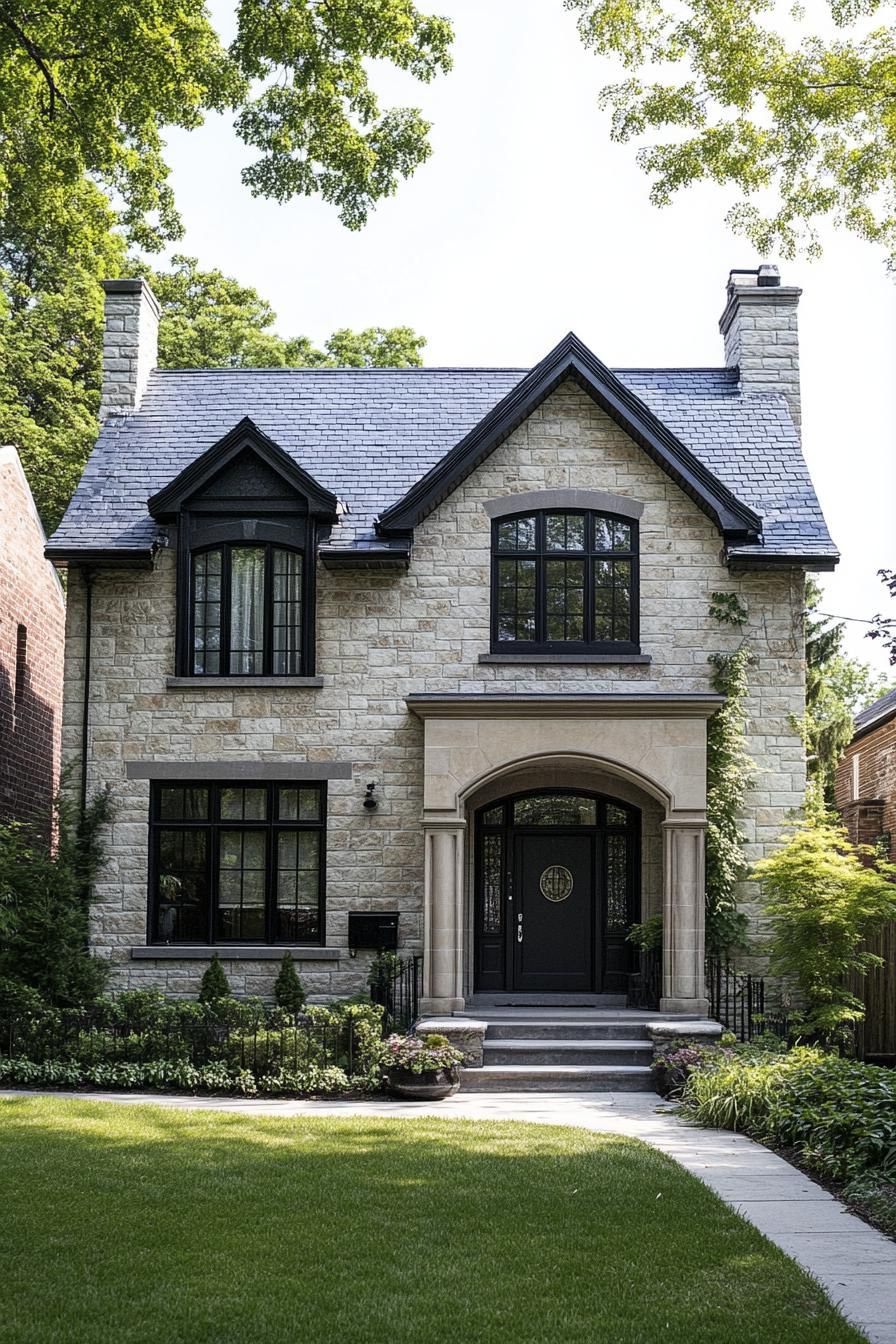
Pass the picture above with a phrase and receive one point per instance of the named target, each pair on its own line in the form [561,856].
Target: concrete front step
[485,1001]
[567,1031]
[556,1078]
[564,1052]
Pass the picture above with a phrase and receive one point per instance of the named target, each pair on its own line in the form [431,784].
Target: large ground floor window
[237,863]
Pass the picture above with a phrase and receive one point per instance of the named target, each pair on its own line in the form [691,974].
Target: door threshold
[545,1000]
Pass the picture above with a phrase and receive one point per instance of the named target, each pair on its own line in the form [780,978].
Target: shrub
[288,991]
[876,1199]
[824,896]
[837,1115]
[215,984]
[647,937]
[45,900]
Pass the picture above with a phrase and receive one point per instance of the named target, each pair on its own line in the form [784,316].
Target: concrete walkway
[854,1263]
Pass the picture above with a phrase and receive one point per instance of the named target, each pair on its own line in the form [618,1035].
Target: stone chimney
[760,331]
[130,344]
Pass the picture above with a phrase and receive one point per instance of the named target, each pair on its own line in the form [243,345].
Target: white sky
[527,223]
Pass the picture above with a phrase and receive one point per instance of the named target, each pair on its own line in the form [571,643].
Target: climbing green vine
[729,775]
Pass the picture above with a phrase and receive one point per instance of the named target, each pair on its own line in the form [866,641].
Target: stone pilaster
[684,984]
[443,917]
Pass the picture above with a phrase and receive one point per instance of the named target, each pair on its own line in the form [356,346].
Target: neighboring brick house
[32,641]
[865,782]
[431,643]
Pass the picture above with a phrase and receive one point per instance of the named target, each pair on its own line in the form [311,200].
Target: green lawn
[123,1224]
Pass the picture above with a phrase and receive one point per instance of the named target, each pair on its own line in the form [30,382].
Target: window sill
[240,683]
[640,659]
[234,952]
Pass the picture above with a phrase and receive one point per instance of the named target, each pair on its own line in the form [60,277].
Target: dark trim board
[234,952]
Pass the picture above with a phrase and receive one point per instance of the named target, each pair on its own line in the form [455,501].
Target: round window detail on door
[555,882]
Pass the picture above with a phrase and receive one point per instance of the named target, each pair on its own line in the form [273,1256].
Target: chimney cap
[134,286]
[765,276]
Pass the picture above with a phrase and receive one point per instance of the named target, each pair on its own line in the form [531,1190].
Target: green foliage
[383,968]
[726,95]
[729,773]
[288,991]
[215,984]
[837,687]
[884,627]
[838,1115]
[87,89]
[45,897]
[875,1199]
[823,897]
[647,937]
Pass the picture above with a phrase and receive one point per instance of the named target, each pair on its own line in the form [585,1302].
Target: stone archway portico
[654,741]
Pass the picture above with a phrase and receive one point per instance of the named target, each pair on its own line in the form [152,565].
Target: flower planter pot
[433,1085]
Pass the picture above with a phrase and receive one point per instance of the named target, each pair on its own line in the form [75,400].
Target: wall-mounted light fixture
[370,798]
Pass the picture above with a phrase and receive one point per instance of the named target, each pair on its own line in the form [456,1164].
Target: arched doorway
[556,888]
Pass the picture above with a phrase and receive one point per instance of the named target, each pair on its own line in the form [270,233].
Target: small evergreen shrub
[215,984]
[289,993]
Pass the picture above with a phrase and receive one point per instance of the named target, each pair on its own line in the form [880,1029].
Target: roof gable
[572,359]
[245,463]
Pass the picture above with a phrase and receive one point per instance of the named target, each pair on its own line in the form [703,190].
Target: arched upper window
[565,581]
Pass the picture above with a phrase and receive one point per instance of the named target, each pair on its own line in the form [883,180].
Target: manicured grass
[123,1224]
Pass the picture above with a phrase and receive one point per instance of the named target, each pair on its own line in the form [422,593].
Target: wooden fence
[876,1036]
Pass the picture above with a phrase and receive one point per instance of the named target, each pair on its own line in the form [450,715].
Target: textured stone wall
[761,338]
[382,636]
[32,626]
[130,344]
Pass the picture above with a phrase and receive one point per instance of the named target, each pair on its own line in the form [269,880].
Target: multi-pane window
[565,581]
[237,863]
[247,611]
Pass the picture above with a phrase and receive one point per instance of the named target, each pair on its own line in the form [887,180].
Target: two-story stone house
[431,642]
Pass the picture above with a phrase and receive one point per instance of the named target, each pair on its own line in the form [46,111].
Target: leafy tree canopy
[87,88]
[798,111]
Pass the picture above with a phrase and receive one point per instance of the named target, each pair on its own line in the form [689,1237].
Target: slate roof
[368,435]
[877,713]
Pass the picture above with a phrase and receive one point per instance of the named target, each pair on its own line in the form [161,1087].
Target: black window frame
[306,625]
[212,824]
[589,554]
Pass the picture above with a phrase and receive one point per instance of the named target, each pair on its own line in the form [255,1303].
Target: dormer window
[248,611]
[248,524]
[565,582]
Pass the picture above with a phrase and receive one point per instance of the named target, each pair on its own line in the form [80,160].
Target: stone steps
[595,1053]
[566,1031]
[557,1078]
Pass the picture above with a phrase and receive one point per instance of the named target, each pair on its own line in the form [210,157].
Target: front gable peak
[243,465]
[572,359]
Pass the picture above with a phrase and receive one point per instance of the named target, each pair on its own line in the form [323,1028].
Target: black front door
[553,933]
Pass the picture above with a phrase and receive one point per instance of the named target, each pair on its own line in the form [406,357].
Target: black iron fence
[397,990]
[261,1044]
[736,999]
[645,985]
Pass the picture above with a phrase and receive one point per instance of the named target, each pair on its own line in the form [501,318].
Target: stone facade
[384,636]
[32,632]
[760,330]
[130,344]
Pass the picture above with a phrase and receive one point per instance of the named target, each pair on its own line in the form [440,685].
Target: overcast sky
[527,223]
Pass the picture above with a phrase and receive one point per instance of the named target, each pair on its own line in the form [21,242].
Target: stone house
[865,781]
[32,641]
[430,645]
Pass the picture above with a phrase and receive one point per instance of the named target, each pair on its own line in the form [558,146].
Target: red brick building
[32,637]
[865,784]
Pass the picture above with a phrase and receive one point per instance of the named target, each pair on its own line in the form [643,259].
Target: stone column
[443,917]
[684,984]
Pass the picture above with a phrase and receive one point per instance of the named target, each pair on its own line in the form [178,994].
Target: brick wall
[873,812]
[32,624]
[381,636]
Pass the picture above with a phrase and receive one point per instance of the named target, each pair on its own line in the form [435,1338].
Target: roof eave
[101,557]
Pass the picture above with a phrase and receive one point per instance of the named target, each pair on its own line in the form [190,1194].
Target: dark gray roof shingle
[882,709]
[369,434]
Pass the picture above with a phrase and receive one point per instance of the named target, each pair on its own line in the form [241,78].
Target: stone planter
[434,1085]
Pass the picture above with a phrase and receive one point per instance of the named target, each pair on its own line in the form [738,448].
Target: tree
[288,991]
[45,900]
[215,984]
[51,325]
[884,627]
[743,97]
[824,896]
[837,687]
[87,88]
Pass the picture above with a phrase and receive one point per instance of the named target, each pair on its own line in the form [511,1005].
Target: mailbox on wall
[376,932]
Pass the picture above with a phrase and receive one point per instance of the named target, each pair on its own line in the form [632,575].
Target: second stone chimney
[130,344]
[760,329]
